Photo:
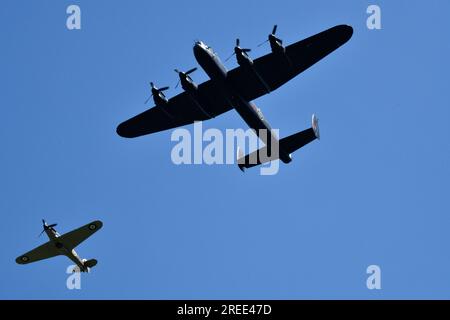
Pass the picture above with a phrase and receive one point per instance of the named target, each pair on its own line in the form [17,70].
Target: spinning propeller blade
[178,72]
[155,89]
[238,49]
[45,226]
[230,57]
[190,71]
[259,45]
[272,35]
[184,75]
[274,29]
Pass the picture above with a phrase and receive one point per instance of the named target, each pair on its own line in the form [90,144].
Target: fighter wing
[181,110]
[45,251]
[73,238]
[277,69]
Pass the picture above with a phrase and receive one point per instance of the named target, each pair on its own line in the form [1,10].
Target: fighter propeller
[238,50]
[47,227]
[156,91]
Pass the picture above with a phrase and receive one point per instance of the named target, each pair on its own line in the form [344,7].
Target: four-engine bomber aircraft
[236,89]
[63,245]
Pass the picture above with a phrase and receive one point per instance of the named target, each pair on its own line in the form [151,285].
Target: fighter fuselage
[63,249]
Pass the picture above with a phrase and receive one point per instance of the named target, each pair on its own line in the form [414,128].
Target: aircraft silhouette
[62,245]
[235,89]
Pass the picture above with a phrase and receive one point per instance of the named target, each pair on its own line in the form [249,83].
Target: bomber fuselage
[252,115]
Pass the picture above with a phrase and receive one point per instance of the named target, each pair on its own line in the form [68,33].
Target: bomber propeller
[156,91]
[238,50]
[272,37]
[184,75]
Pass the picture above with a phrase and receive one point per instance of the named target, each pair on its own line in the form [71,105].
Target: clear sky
[374,190]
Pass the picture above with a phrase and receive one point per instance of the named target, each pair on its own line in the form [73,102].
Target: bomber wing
[277,69]
[274,69]
[181,110]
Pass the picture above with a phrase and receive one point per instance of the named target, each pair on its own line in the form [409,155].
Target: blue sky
[374,190]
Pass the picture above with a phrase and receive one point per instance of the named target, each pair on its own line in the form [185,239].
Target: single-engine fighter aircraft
[63,245]
[236,89]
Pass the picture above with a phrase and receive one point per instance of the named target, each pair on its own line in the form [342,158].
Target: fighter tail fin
[90,263]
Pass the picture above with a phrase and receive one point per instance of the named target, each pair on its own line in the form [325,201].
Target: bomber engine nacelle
[158,95]
[276,44]
[186,81]
[241,55]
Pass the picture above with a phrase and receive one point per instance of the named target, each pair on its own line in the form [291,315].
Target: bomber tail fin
[285,146]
